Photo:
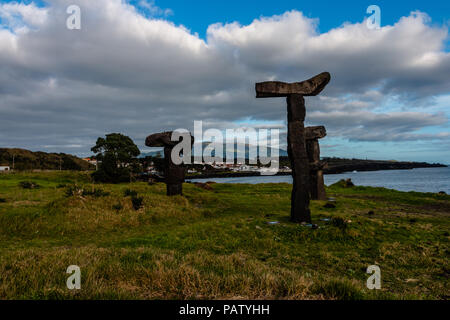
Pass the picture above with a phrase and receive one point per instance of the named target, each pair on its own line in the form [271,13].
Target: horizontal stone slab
[312,133]
[311,87]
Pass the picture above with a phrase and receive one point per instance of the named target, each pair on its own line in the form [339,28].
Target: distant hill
[29,160]
[281,152]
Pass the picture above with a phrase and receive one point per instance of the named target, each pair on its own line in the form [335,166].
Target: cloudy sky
[139,67]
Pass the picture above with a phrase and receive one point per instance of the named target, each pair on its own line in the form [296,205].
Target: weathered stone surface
[174,174]
[311,87]
[159,140]
[299,159]
[313,133]
[317,184]
[297,143]
[318,165]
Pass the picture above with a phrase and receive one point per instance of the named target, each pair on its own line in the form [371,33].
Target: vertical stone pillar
[297,148]
[299,159]
[317,184]
[174,175]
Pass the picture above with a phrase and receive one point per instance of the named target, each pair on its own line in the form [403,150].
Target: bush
[344,183]
[29,185]
[120,175]
[137,202]
[2,200]
[339,223]
[117,207]
[97,193]
[100,176]
[74,190]
[130,193]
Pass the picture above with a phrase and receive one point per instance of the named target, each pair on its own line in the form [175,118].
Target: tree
[116,156]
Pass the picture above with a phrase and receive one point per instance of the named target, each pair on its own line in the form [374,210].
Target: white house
[4,169]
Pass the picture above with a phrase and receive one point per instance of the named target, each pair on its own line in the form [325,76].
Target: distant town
[152,165]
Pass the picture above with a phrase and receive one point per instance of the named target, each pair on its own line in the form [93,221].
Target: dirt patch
[432,209]
[205,186]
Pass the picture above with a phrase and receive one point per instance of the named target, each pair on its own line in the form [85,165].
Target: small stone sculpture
[174,174]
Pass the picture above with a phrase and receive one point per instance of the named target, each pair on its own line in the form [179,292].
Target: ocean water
[420,180]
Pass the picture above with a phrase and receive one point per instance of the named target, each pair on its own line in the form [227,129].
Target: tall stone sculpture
[295,93]
[174,174]
[317,185]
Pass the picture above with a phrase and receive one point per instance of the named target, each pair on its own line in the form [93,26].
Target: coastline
[363,167]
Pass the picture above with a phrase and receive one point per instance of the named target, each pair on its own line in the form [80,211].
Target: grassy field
[216,244]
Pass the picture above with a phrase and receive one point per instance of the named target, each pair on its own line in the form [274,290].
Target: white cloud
[153,9]
[20,17]
[123,72]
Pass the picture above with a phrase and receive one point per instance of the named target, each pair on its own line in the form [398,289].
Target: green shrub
[117,207]
[137,202]
[74,190]
[344,183]
[29,185]
[97,193]
[130,193]
[339,223]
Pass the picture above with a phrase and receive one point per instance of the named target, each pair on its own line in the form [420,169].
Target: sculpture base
[174,189]
[319,187]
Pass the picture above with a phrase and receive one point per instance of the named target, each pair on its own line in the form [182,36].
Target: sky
[140,67]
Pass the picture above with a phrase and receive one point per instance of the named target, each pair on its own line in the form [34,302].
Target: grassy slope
[217,244]
[28,160]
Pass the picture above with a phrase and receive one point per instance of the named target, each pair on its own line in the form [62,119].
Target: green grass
[216,244]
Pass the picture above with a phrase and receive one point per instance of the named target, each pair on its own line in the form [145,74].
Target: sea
[420,180]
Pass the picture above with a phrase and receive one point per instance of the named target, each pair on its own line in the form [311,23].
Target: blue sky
[137,71]
[197,15]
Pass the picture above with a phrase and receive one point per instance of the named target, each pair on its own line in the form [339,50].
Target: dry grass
[216,244]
